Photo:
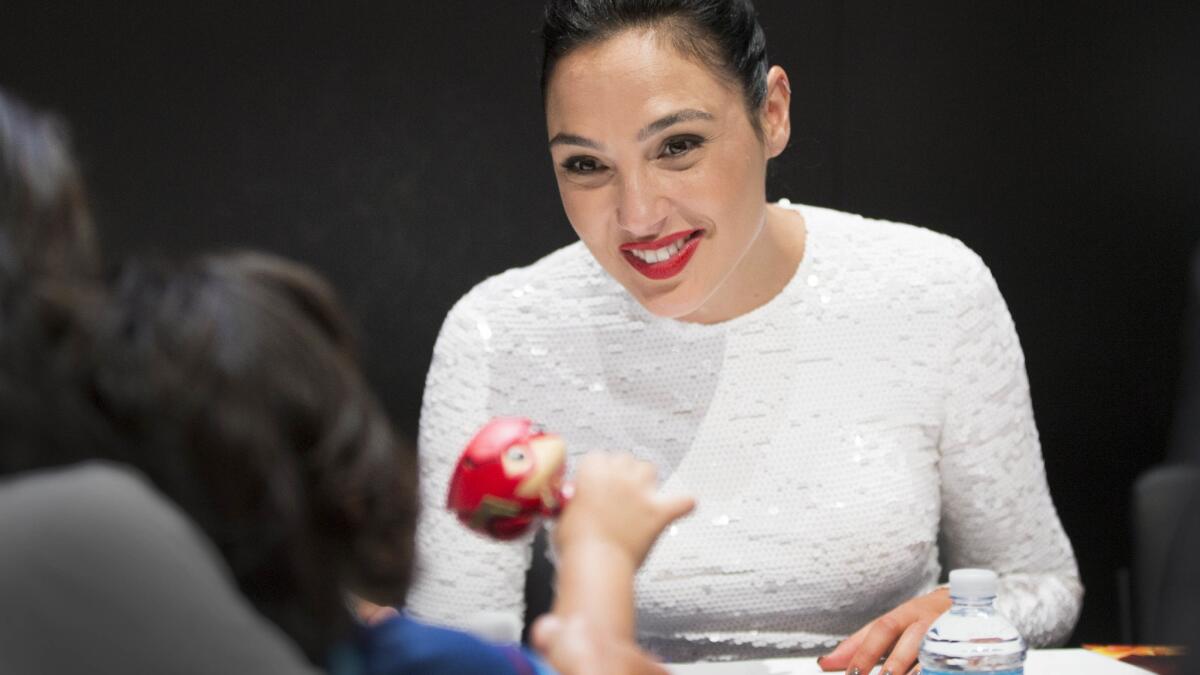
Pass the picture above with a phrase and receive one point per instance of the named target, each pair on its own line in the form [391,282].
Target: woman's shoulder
[888,248]
[560,284]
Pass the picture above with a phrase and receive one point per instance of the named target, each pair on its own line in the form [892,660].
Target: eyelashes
[673,148]
[678,146]
[582,165]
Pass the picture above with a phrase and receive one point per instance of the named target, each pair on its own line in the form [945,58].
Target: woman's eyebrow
[649,130]
[572,139]
[658,125]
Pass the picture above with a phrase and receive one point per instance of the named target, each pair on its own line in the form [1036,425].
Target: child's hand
[617,505]
[370,613]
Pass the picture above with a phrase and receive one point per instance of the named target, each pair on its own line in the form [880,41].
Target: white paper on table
[1039,662]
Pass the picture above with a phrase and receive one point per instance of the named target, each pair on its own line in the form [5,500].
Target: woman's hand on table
[896,635]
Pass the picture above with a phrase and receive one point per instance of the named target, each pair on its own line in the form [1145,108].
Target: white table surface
[1039,662]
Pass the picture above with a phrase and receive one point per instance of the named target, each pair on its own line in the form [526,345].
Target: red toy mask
[509,474]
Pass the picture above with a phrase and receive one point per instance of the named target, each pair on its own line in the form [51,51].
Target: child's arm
[575,648]
[603,535]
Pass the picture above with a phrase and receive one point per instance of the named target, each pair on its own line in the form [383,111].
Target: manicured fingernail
[887,672]
[854,671]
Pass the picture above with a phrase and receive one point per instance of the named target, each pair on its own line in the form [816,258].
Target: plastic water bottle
[972,637]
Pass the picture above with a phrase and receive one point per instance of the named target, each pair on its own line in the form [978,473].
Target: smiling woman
[660,165]
[845,397]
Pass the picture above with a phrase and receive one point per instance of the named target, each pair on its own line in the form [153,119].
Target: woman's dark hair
[723,34]
[233,383]
[45,224]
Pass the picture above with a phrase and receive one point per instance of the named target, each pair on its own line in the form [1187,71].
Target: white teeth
[660,254]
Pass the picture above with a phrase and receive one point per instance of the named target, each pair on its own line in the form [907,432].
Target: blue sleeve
[401,646]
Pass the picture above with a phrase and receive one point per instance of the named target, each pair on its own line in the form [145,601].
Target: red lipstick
[680,248]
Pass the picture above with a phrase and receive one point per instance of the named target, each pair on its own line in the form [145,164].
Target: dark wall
[399,148]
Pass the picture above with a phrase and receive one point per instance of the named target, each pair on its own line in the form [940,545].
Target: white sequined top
[863,431]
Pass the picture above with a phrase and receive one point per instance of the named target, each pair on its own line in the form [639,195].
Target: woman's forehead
[633,77]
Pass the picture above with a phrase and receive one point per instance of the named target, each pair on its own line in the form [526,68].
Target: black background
[398,147]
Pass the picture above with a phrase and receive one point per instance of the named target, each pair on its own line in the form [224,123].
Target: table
[1039,662]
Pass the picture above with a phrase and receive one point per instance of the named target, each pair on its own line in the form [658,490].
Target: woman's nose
[641,209]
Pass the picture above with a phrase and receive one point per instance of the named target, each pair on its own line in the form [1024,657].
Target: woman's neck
[763,272]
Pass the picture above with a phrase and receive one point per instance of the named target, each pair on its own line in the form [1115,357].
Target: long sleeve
[462,579]
[996,506]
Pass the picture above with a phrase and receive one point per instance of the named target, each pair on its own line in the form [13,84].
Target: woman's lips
[663,258]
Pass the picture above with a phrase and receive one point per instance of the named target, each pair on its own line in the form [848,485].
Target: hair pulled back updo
[723,34]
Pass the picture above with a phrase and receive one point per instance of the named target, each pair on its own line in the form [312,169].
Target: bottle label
[1018,671]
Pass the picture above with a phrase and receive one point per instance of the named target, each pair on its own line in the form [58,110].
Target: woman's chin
[669,305]
[674,299]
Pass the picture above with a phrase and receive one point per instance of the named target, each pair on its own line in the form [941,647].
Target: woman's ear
[776,112]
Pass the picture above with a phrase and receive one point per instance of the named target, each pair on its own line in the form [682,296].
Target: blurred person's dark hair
[233,382]
[45,224]
[49,261]
[48,267]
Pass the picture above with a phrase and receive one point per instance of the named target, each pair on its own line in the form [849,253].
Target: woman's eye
[583,165]
[675,147]
[516,455]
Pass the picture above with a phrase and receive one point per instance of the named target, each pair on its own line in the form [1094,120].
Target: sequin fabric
[848,441]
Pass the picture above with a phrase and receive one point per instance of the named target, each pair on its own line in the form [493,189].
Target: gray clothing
[100,574]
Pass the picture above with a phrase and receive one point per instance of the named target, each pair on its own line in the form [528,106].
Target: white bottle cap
[973,583]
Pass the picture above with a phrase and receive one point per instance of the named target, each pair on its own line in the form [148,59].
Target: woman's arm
[462,579]
[996,510]
[996,506]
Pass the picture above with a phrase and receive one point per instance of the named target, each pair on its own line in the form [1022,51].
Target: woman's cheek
[586,209]
[708,180]
[701,191]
